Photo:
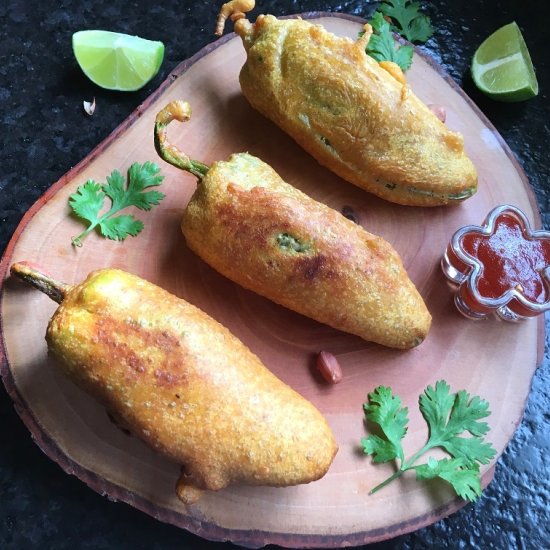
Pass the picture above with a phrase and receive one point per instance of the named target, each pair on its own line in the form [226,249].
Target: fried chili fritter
[357,117]
[271,238]
[182,383]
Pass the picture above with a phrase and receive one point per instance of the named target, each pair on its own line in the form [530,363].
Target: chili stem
[179,110]
[56,290]
[235,9]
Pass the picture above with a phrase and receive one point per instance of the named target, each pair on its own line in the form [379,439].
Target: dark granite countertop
[45,133]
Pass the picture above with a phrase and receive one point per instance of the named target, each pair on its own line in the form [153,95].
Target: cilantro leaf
[89,199]
[381,449]
[449,417]
[465,480]
[470,449]
[382,46]
[435,404]
[140,177]
[119,227]
[115,187]
[420,29]
[384,409]
[467,412]
[407,19]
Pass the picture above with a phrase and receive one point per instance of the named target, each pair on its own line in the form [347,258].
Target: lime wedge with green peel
[117,61]
[502,67]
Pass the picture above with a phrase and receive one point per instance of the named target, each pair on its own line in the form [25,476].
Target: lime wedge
[117,61]
[502,67]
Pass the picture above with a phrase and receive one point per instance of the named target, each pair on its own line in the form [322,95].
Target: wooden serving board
[491,358]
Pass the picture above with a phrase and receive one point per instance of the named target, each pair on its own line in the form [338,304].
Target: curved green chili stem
[56,290]
[179,110]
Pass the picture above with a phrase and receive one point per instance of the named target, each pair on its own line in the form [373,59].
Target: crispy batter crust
[184,384]
[353,116]
[269,237]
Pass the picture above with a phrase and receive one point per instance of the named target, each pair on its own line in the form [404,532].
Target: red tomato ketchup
[501,267]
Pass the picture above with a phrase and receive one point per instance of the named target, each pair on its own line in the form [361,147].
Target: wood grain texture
[491,358]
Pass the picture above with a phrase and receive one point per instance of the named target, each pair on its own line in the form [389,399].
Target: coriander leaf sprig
[382,46]
[404,18]
[407,19]
[448,416]
[89,199]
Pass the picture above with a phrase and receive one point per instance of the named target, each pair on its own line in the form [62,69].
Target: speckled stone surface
[45,132]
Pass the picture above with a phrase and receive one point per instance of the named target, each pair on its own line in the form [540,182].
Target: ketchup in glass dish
[501,267]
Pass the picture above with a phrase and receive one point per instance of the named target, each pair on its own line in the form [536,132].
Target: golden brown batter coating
[302,254]
[185,385]
[267,236]
[351,114]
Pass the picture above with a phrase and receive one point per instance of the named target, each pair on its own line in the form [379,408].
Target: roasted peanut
[329,367]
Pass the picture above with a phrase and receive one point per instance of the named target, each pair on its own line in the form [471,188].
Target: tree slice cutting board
[493,359]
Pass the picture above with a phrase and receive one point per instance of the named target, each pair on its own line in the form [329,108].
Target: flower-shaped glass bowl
[501,267]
